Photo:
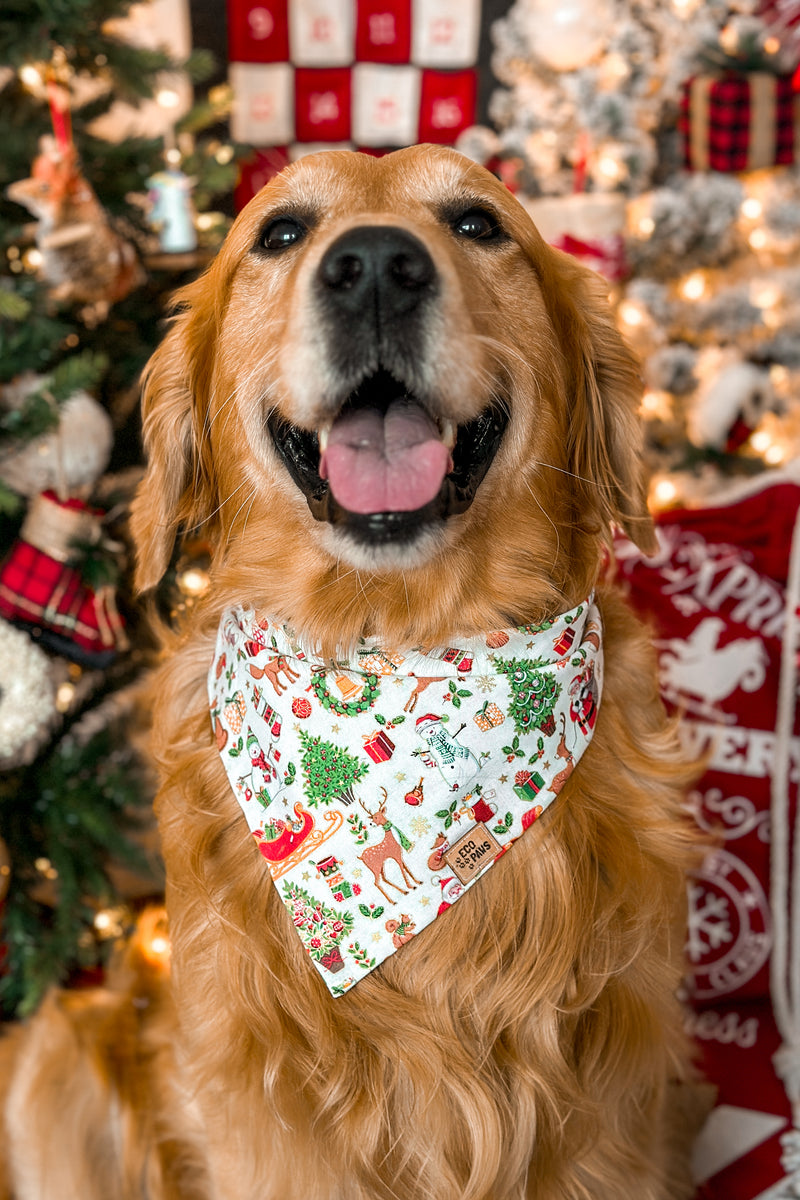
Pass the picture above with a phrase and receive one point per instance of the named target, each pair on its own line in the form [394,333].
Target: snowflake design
[485,683]
[709,922]
[420,826]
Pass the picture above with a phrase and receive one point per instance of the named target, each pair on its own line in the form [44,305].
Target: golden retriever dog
[402,419]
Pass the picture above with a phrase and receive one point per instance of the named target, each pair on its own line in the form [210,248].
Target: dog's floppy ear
[605,433]
[179,487]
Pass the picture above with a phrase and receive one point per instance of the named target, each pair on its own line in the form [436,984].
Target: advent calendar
[371,75]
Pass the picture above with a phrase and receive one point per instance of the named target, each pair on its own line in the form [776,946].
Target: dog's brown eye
[476,224]
[282,233]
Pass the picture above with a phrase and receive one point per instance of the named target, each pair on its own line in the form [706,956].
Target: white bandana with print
[378,790]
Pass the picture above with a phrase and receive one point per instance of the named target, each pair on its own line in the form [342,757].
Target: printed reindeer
[272,671]
[375,857]
[563,752]
[423,682]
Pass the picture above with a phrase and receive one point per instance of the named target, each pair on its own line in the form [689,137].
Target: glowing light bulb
[193,582]
[758,239]
[168,98]
[694,286]
[752,208]
[631,314]
[772,45]
[774,454]
[30,76]
[760,441]
[765,295]
[665,491]
[646,226]
[610,168]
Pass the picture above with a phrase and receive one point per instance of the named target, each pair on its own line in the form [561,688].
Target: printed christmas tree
[329,771]
[320,926]
[534,691]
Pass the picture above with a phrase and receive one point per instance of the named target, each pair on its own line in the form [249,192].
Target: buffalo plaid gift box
[739,122]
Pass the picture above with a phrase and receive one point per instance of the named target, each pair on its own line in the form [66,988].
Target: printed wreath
[349,708]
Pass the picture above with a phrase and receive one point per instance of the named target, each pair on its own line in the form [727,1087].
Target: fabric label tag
[474,851]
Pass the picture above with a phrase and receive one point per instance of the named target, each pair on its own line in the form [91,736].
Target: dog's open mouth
[385,467]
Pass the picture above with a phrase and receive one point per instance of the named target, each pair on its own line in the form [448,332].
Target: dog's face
[387,368]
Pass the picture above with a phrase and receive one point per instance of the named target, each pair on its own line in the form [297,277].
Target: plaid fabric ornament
[41,587]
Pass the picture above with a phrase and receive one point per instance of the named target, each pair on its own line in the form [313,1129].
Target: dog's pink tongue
[392,463]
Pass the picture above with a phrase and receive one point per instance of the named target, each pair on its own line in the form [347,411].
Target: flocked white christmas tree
[586,127]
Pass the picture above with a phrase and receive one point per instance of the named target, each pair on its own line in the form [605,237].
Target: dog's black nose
[377,268]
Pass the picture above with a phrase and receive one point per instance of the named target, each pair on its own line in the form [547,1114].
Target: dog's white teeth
[322,434]
[449,433]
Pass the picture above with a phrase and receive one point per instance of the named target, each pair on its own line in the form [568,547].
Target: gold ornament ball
[5,870]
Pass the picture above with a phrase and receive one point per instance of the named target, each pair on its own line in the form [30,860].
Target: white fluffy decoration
[27,697]
[737,390]
[72,456]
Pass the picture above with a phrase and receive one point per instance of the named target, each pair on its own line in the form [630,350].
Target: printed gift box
[489,717]
[528,784]
[378,745]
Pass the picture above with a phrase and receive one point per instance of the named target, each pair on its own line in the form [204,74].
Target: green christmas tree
[73,793]
[320,926]
[329,771]
[535,692]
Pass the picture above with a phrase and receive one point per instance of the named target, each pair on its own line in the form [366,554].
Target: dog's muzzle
[387,465]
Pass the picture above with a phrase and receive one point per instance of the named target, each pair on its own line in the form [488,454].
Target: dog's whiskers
[221,504]
[548,518]
[536,462]
[251,496]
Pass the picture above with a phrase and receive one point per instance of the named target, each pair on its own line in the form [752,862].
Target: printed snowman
[457,764]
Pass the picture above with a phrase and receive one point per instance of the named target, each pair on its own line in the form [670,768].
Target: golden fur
[532,1046]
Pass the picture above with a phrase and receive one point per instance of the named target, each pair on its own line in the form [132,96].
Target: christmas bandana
[379,789]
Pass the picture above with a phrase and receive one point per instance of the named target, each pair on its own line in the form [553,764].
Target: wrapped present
[378,745]
[379,662]
[488,717]
[528,784]
[563,644]
[739,122]
[588,225]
